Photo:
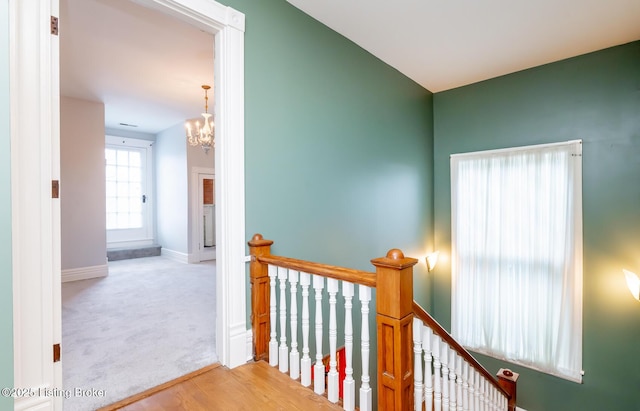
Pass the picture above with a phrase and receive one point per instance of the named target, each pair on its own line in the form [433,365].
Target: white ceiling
[147,68]
[443,44]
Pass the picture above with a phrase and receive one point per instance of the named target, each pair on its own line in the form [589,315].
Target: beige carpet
[151,320]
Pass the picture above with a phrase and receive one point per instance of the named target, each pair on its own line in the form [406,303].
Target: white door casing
[35,162]
[35,223]
[198,252]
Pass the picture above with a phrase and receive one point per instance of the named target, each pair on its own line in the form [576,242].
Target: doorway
[36,266]
[203,214]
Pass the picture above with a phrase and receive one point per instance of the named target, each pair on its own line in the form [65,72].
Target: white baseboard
[84,273]
[175,255]
[520,409]
[249,345]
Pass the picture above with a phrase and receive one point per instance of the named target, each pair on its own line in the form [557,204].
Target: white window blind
[517,255]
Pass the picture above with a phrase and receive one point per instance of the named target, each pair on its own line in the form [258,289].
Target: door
[206,217]
[128,171]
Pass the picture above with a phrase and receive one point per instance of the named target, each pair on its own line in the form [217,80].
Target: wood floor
[253,386]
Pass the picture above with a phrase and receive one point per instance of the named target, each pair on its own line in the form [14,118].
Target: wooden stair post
[260,297]
[394,306]
[508,380]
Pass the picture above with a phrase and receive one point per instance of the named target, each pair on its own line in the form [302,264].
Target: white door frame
[35,161]
[197,252]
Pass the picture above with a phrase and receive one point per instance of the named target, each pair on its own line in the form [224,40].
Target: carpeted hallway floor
[151,320]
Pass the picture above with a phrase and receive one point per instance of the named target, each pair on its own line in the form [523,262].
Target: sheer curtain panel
[517,255]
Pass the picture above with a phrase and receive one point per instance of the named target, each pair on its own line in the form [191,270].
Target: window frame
[575,171]
[144,236]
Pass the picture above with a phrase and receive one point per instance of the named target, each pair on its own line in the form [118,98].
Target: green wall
[338,148]
[596,98]
[338,144]
[6,293]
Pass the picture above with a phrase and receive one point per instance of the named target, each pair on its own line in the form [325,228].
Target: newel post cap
[394,259]
[507,374]
[258,241]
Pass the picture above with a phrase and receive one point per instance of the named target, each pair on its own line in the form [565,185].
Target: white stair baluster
[283,358]
[437,381]
[444,359]
[349,385]
[305,363]
[428,373]
[332,378]
[318,368]
[481,390]
[294,355]
[273,341]
[365,389]
[465,386]
[459,395]
[494,398]
[418,387]
[453,395]
[477,400]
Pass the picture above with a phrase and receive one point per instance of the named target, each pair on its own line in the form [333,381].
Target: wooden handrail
[424,316]
[330,271]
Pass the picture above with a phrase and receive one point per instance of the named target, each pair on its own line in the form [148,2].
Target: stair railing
[406,346]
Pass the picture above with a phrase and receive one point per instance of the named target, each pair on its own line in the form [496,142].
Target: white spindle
[318,368]
[294,355]
[453,395]
[273,341]
[428,374]
[477,394]
[305,363]
[365,389]
[284,350]
[495,399]
[349,384]
[418,386]
[465,386]
[484,394]
[332,378]
[437,381]
[459,394]
[444,359]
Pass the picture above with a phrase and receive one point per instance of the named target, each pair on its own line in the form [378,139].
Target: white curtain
[517,255]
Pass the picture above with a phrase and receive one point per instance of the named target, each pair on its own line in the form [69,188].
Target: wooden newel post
[508,379]
[394,304]
[259,274]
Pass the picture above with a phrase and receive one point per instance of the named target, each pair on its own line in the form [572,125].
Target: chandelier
[202,135]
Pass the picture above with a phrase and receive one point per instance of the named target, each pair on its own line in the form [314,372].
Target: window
[128,194]
[517,255]
[124,188]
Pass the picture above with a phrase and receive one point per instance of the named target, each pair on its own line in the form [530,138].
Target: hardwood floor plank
[249,387]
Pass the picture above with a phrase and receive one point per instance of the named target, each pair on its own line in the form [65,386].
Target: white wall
[172,193]
[82,184]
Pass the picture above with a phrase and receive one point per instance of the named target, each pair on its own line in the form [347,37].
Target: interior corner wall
[6,271]
[338,144]
[596,98]
[338,147]
[82,184]
[172,191]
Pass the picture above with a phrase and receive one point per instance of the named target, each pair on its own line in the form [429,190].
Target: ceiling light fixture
[202,135]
